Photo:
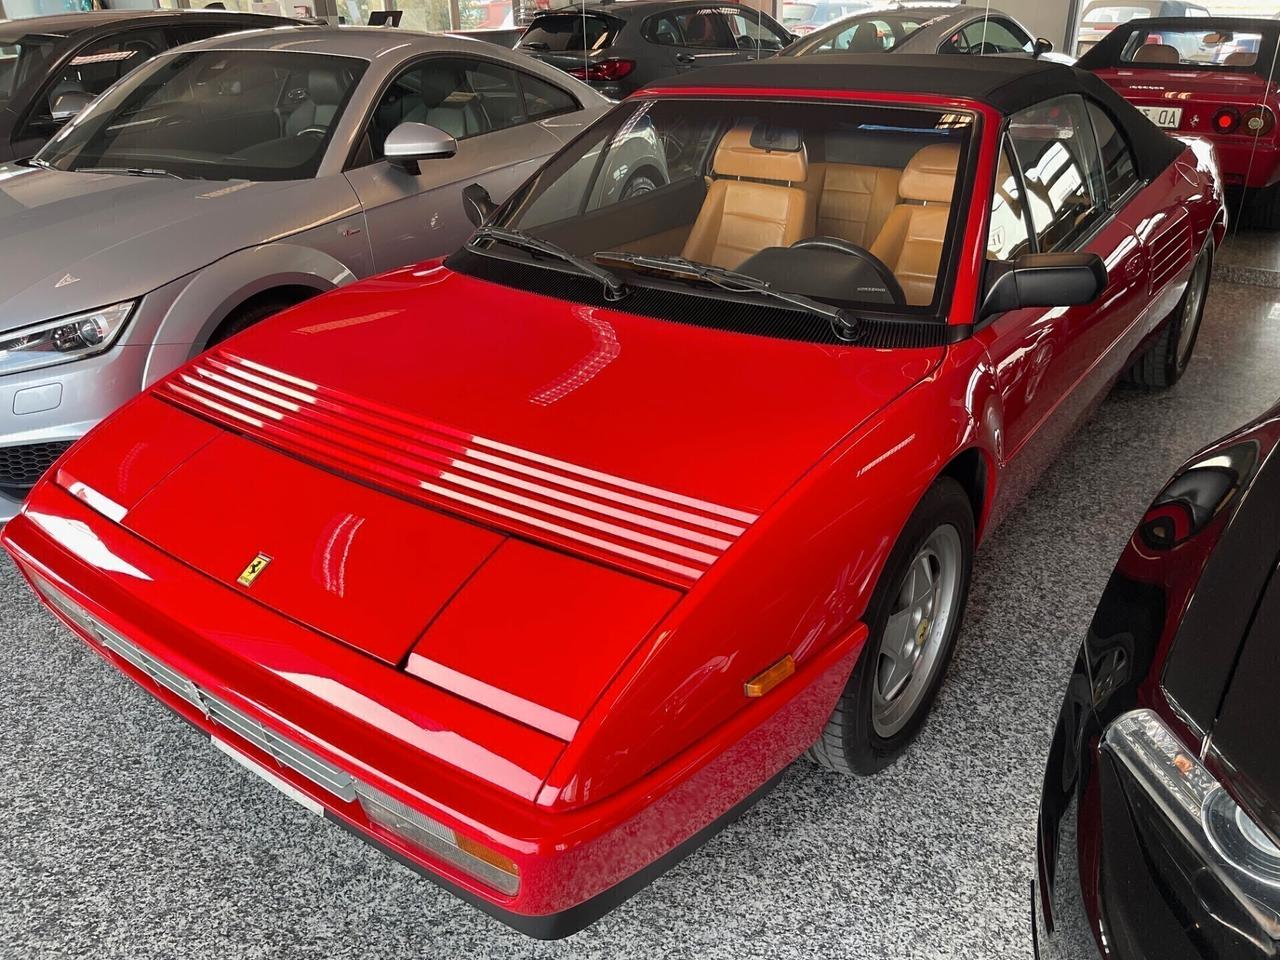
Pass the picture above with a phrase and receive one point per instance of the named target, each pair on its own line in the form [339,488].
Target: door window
[704,28]
[663,30]
[1118,168]
[983,37]
[94,68]
[1008,237]
[1061,170]
[464,98]
[752,34]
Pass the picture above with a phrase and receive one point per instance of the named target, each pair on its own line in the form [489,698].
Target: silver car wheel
[915,634]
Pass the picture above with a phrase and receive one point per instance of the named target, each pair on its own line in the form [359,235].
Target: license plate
[1168,117]
[288,789]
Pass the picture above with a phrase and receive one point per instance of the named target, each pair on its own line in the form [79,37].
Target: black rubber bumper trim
[556,926]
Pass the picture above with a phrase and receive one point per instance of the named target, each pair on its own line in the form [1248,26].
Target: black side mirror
[1041,47]
[477,203]
[1043,280]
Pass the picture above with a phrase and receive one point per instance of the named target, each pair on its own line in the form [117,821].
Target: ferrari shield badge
[255,567]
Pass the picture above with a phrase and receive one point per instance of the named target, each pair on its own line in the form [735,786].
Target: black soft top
[1008,84]
[1107,51]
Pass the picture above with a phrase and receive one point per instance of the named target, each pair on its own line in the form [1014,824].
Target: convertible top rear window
[849,205]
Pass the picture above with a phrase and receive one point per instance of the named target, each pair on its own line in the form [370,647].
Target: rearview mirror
[1043,280]
[477,203]
[1041,47]
[411,142]
[69,105]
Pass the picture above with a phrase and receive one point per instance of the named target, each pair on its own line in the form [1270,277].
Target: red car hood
[463,429]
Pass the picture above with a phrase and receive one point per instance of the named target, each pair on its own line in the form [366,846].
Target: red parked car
[536,565]
[1209,77]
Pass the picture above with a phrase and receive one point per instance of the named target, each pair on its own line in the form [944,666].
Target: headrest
[1241,58]
[743,152]
[930,175]
[866,39]
[1156,53]
[323,87]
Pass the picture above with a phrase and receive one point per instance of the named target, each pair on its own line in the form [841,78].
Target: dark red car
[536,565]
[1210,77]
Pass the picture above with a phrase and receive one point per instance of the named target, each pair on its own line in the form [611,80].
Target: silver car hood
[76,241]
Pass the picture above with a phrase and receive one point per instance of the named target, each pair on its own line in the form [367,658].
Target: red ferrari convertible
[537,565]
[1212,77]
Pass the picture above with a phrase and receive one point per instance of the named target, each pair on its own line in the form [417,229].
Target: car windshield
[847,204]
[1162,48]
[213,115]
[869,33]
[558,32]
[20,59]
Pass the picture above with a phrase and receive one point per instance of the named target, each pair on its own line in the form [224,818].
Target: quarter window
[1008,236]
[543,99]
[1118,168]
[1061,172]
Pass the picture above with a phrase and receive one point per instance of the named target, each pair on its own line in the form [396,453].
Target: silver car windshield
[819,199]
[213,115]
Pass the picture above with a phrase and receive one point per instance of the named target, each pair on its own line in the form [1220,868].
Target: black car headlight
[1225,837]
[67,338]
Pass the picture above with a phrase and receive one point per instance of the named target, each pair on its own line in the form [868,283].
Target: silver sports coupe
[230,178]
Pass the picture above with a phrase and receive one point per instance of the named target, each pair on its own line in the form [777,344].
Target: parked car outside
[801,17]
[1159,823]
[1100,18]
[491,597]
[81,54]
[1208,77]
[228,179]
[944,28]
[619,47]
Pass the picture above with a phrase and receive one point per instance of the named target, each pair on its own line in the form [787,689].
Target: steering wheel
[861,253]
[312,132]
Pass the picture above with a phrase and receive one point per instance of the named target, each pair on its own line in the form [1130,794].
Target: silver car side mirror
[410,142]
[69,105]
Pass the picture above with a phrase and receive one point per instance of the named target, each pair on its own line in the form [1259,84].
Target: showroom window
[1061,170]
[1118,167]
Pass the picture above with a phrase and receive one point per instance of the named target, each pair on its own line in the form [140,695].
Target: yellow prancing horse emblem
[255,567]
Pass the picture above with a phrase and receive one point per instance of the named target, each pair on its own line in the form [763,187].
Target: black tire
[1261,208]
[245,317]
[644,180]
[850,743]
[1163,363]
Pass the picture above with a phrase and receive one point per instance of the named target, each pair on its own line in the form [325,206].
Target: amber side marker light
[762,683]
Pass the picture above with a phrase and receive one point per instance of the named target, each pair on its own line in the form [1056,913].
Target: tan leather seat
[1156,53]
[1241,58]
[741,217]
[854,200]
[910,243]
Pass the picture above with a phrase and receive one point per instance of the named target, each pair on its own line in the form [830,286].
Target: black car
[619,47]
[74,57]
[1159,828]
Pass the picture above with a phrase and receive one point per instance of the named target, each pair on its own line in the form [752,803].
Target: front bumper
[473,772]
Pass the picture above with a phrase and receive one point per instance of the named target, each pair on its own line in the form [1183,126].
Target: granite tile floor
[124,835]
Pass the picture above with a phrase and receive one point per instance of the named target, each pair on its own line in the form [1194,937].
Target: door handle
[685,58]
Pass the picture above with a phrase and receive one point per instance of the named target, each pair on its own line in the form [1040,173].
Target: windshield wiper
[132,171]
[615,288]
[843,325]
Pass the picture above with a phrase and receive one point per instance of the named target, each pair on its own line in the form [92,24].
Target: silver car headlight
[67,338]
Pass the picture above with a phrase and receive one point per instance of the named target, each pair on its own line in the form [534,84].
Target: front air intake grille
[22,465]
[302,761]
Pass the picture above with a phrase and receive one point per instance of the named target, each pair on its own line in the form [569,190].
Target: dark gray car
[927,28]
[43,58]
[619,47]
[231,178]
